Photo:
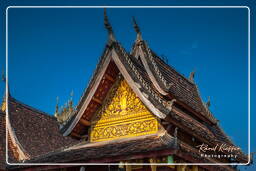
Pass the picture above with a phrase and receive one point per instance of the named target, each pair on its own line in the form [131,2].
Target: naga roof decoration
[108,26]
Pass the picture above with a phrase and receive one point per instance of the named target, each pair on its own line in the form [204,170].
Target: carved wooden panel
[122,115]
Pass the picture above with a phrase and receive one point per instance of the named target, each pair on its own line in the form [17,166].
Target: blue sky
[55,51]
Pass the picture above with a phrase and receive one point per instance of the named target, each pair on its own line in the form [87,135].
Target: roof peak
[137,29]
[108,26]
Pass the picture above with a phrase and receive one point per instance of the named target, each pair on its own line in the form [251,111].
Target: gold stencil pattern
[122,115]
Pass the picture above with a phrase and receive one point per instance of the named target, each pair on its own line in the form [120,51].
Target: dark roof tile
[37,132]
[2,141]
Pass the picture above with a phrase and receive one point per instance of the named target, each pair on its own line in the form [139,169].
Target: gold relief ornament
[120,102]
[122,115]
[3,107]
[66,112]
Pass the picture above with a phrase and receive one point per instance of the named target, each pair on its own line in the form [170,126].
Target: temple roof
[151,78]
[127,149]
[170,82]
[11,156]
[166,93]
[2,140]
[110,151]
[33,131]
[139,80]
[135,77]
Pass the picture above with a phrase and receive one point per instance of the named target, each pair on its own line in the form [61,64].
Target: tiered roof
[167,94]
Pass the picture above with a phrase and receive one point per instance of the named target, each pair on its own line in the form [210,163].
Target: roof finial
[3,76]
[57,107]
[137,29]
[192,75]
[70,103]
[108,26]
[3,107]
[208,103]
[7,88]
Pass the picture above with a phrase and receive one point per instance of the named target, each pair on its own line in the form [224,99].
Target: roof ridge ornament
[3,76]
[208,103]
[192,76]
[108,27]
[57,107]
[169,104]
[137,29]
[70,102]
[3,105]
[65,111]
[7,89]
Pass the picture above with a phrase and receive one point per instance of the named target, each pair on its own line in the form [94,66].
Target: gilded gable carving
[122,115]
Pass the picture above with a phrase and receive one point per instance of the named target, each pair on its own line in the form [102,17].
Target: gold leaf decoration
[122,115]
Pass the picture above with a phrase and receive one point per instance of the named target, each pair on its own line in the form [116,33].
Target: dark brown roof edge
[12,99]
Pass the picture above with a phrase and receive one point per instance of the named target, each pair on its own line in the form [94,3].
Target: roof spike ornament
[3,105]
[192,76]
[169,104]
[137,29]
[208,103]
[70,103]
[57,107]
[3,76]
[7,89]
[108,27]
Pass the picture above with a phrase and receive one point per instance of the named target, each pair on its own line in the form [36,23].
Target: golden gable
[122,115]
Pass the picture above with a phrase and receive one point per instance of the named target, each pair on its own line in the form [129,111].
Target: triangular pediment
[122,115]
[114,60]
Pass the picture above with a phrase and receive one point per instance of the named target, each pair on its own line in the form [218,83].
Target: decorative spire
[57,107]
[3,107]
[137,29]
[108,27]
[191,76]
[65,111]
[70,103]
[7,85]
[3,76]
[208,103]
